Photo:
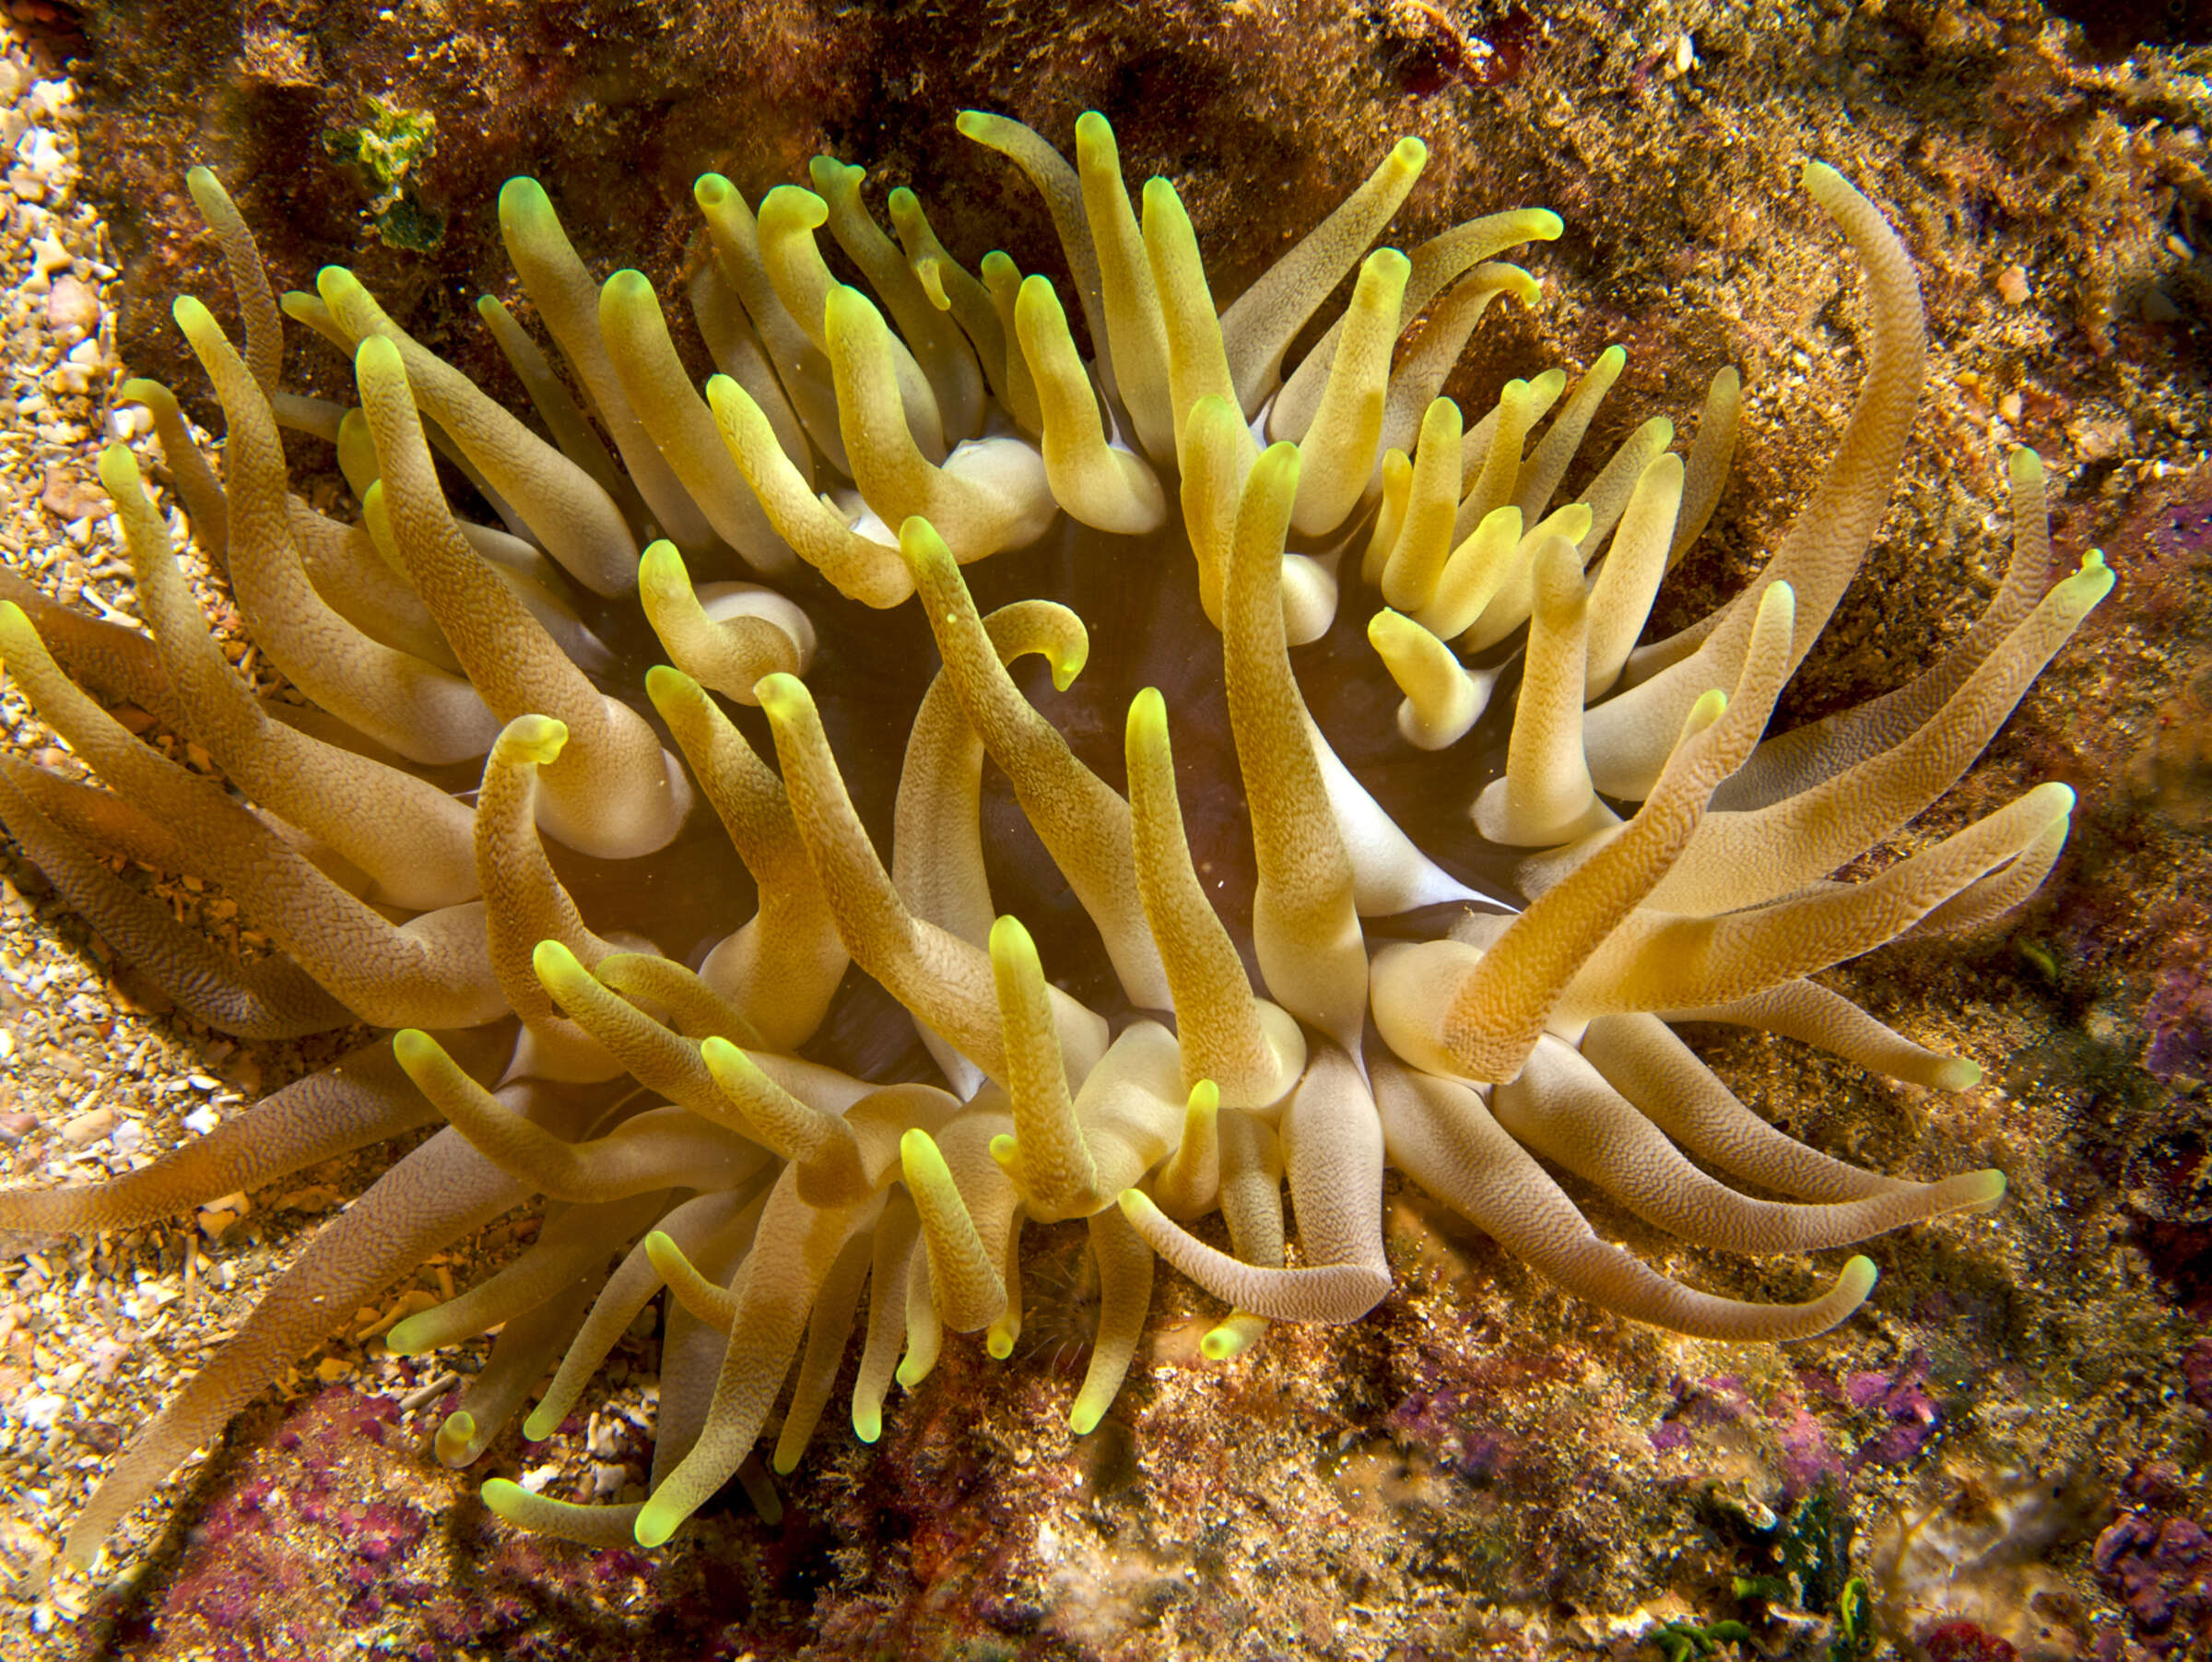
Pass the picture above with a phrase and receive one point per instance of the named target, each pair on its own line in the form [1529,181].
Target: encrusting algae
[1252,967]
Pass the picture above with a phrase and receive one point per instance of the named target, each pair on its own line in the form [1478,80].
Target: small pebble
[88,1126]
[72,305]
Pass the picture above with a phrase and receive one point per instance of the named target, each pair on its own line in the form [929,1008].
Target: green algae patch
[386,152]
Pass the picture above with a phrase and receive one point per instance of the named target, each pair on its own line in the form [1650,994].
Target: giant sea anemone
[1348,826]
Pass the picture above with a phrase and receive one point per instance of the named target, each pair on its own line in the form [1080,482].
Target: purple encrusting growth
[2162,1571]
[1912,1416]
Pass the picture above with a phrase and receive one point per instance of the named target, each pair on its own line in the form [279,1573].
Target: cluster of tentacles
[695,1070]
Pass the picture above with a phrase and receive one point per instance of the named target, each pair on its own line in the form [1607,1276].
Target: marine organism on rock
[1186,940]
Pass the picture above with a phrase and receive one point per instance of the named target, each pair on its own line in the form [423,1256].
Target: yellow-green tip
[1858,1279]
[532,741]
[504,1498]
[1986,1190]
[1224,1342]
[999,1343]
[657,1520]
[457,1438]
[867,1421]
[1957,1073]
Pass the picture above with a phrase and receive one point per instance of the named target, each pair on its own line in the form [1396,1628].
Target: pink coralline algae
[2162,1571]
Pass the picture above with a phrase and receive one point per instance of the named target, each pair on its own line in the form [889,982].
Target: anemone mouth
[1334,816]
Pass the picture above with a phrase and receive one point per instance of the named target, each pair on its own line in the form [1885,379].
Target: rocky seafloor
[2004,1454]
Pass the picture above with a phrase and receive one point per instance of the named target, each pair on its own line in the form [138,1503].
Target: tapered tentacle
[1124,1264]
[1808,1012]
[435,1196]
[1251,1204]
[433,969]
[791,1256]
[1620,599]
[944,980]
[1334,1152]
[1047,1157]
[1658,959]
[268,997]
[579,523]
[119,665]
[1135,337]
[574,1243]
[1253,1052]
[615,792]
[1197,363]
[1801,759]
[936,341]
[720,1217]
[784,965]
[1443,698]
[557,406]
[1647,1063]
[197,488]
[989,495]
[1757,854]
[1305,926]
[568,303]
[1108,488]
[419,711]
[829,1326]
[858,566]
[950,286]
[409,836]
[1562,1108]
[896,1234]
[361,1098]
[1449,1010]
[1341,446]
[1062,189]
[726,636]
[663,1148]
[1441,1135]
[1079,819]
[525,903]
[1628,736]
[1258,328]
[1546,797]
[527,1343]
[677,423]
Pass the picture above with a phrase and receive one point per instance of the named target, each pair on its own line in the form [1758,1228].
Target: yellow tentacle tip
[922,1162]
[119,472]
[867,1422]
[657,1520]
[1957,1073]
[973,123]
[1203,1104]
[504,1498]
[557,967]
[417,1052]
[2024,465]
[539,1425]
[782,698]
[667,685]
[378,356]
[1409,154]
[530,741]
[998,1342]
[1138,1207]
[628,288]
[1545,226]
[523,196]
[1005,1148]
[1987,1190]
[456,1438]
[1857,1280]
[1224,1343]
[660,570]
